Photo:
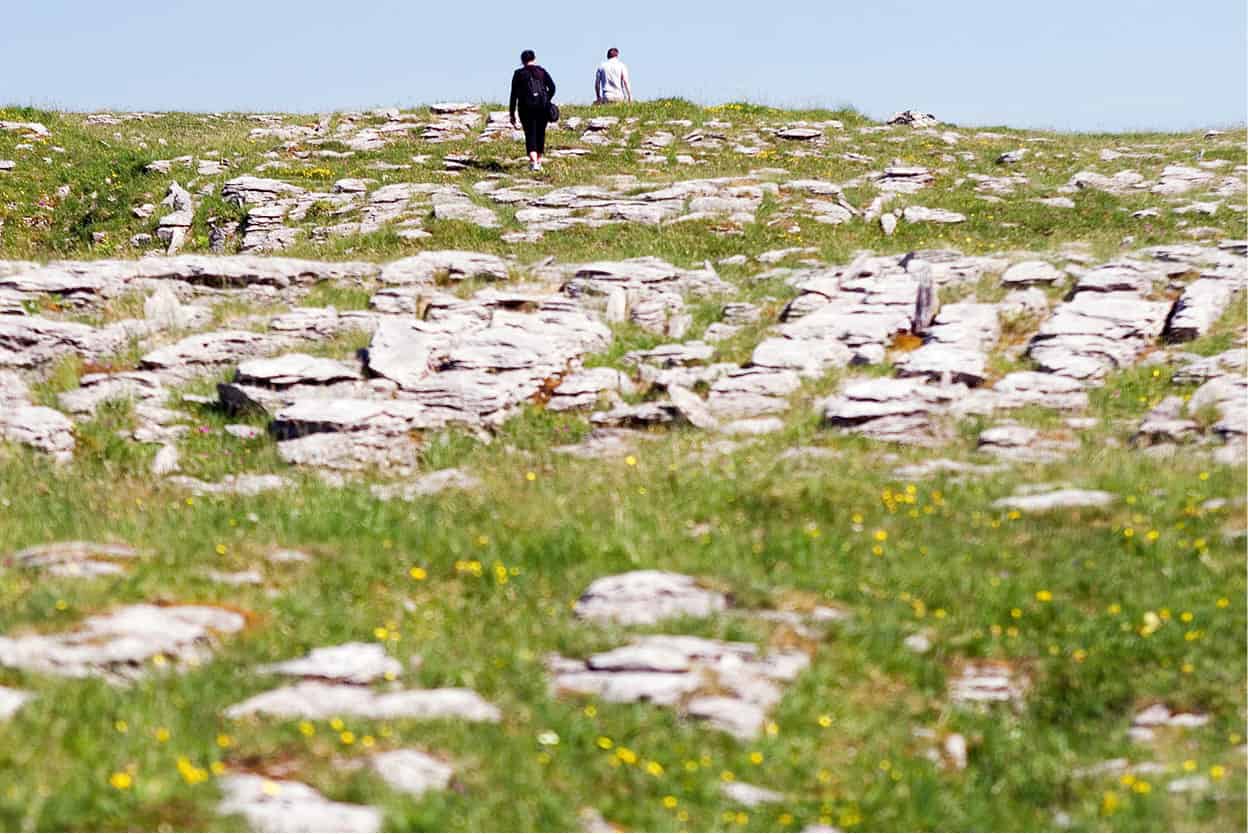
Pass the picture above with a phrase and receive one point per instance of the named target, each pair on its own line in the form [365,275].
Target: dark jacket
[520,90]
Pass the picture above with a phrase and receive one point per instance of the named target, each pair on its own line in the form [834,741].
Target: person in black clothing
[532,89]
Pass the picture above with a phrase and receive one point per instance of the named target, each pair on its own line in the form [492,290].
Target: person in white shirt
[611,80]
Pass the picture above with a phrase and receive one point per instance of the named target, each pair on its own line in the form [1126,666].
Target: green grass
[774,531]
[40,224]
[1062,596]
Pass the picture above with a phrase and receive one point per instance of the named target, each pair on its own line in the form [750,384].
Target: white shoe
[537,166]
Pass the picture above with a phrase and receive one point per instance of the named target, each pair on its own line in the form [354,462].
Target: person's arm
[515,96]
[628,88]
[550,87]
[598,83]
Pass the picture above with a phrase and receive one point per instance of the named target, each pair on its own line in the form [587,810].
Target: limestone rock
[425,485]
[39,427]
[1120,183]
[194,353]
[1056,500]
[119,644]
[922,214]
[692,408]
[1097,332]
[913,118]
[898,410]
[412,771]
[646,597]
[167,461]
[1201,305]
[985,683]
[1031,273]
[347,663]
[249,190]
[32,341]
[1021,388]
[434,266]
[11,700]
[240,484]
[75,558]
[937,361]
[295,369]
[751,796]
[583,389]
[752,392]
[284,806]
[1010,441]
[455,205]
[729,685]
[94,389]
[316,700]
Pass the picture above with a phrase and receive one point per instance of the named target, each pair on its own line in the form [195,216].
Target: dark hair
[613,52]
[527,55]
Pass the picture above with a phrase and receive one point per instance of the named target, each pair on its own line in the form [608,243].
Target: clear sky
[1067,64]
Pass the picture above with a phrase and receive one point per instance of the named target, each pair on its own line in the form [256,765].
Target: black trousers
[534,125]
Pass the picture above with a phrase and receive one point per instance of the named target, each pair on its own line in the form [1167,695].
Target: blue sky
[1067,64]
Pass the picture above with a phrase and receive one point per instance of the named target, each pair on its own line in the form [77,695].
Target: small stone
[412,771]
[286,556]
[918,643]
[348,663]
[955,750]
[11,701]
[166,461]
[751,796]
[986,682]
[592,821]
[236,578]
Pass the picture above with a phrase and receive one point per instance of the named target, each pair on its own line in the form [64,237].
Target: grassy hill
[896,583]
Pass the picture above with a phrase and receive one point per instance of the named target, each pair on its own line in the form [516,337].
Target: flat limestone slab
[283,806]
[646,597]
[74,559]
[1057,500]
[118,645]
[312,699]
[349,663]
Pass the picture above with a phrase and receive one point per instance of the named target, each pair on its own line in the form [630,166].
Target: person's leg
[541,138]
[530,138]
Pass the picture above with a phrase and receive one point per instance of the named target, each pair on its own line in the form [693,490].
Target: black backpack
[536,91]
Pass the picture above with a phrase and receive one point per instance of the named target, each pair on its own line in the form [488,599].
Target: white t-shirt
[611,79]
